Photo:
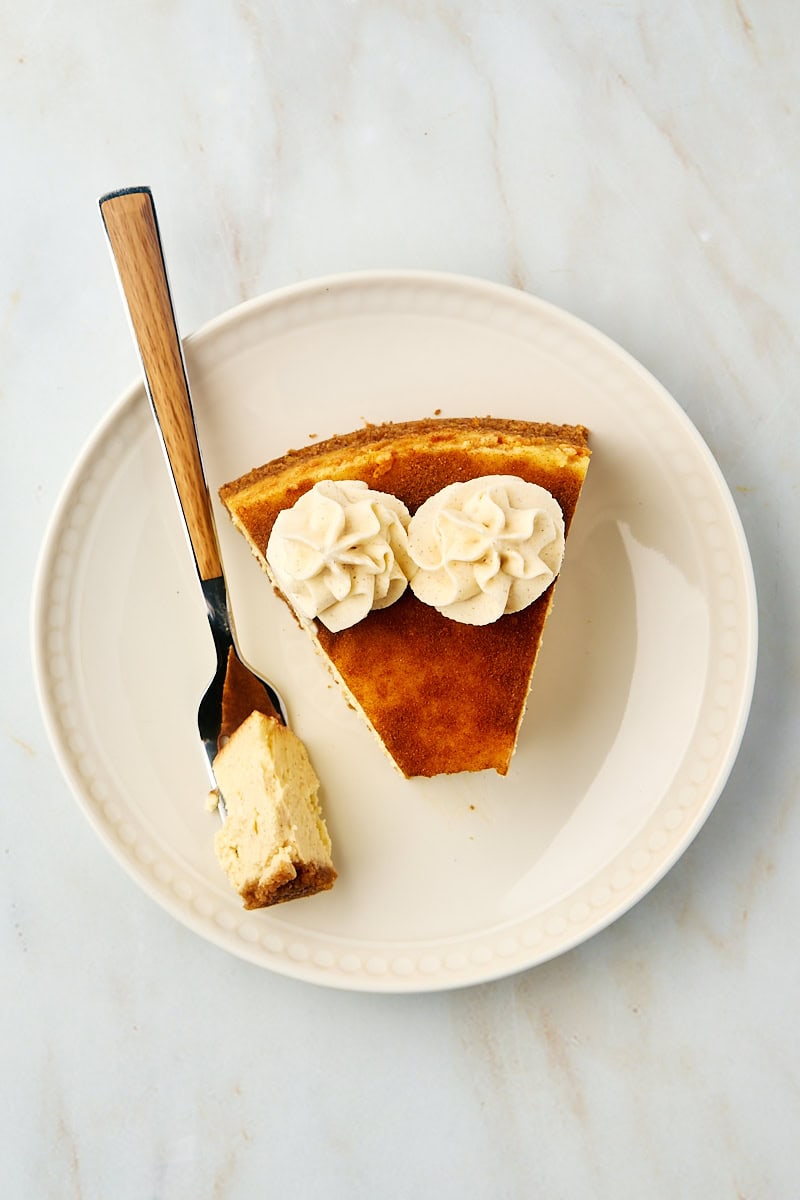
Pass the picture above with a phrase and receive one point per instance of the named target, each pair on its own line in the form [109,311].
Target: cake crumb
[437,412]
[212,800]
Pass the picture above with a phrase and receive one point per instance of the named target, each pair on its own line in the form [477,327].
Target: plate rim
[389,983]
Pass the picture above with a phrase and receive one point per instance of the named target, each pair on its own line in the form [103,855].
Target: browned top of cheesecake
[443,696]
[242,694]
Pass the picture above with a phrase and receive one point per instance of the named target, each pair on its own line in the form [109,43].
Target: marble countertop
[634,163]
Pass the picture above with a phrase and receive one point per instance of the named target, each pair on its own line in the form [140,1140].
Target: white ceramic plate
[640,696]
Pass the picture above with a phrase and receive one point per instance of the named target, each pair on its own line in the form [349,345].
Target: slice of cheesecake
[274,844]
[441,696]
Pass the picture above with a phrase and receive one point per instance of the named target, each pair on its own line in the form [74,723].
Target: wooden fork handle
[130,220]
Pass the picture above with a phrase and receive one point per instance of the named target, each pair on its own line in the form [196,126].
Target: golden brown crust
[443,696]
[293,882]
[392,434]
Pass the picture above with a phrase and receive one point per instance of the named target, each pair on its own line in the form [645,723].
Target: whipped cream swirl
[341,551]
[486,547]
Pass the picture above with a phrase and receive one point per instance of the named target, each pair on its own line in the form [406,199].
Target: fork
[130,221]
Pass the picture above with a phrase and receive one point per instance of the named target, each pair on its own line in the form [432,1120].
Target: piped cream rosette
[340,552]
[485,548]
[474,551]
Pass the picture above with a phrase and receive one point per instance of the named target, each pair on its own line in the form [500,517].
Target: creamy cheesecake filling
[274,828]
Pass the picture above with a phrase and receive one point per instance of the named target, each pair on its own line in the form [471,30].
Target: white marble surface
[635,163]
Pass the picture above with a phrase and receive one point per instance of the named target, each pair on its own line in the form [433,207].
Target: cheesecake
[242,694]
[273,844]
[442,686]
